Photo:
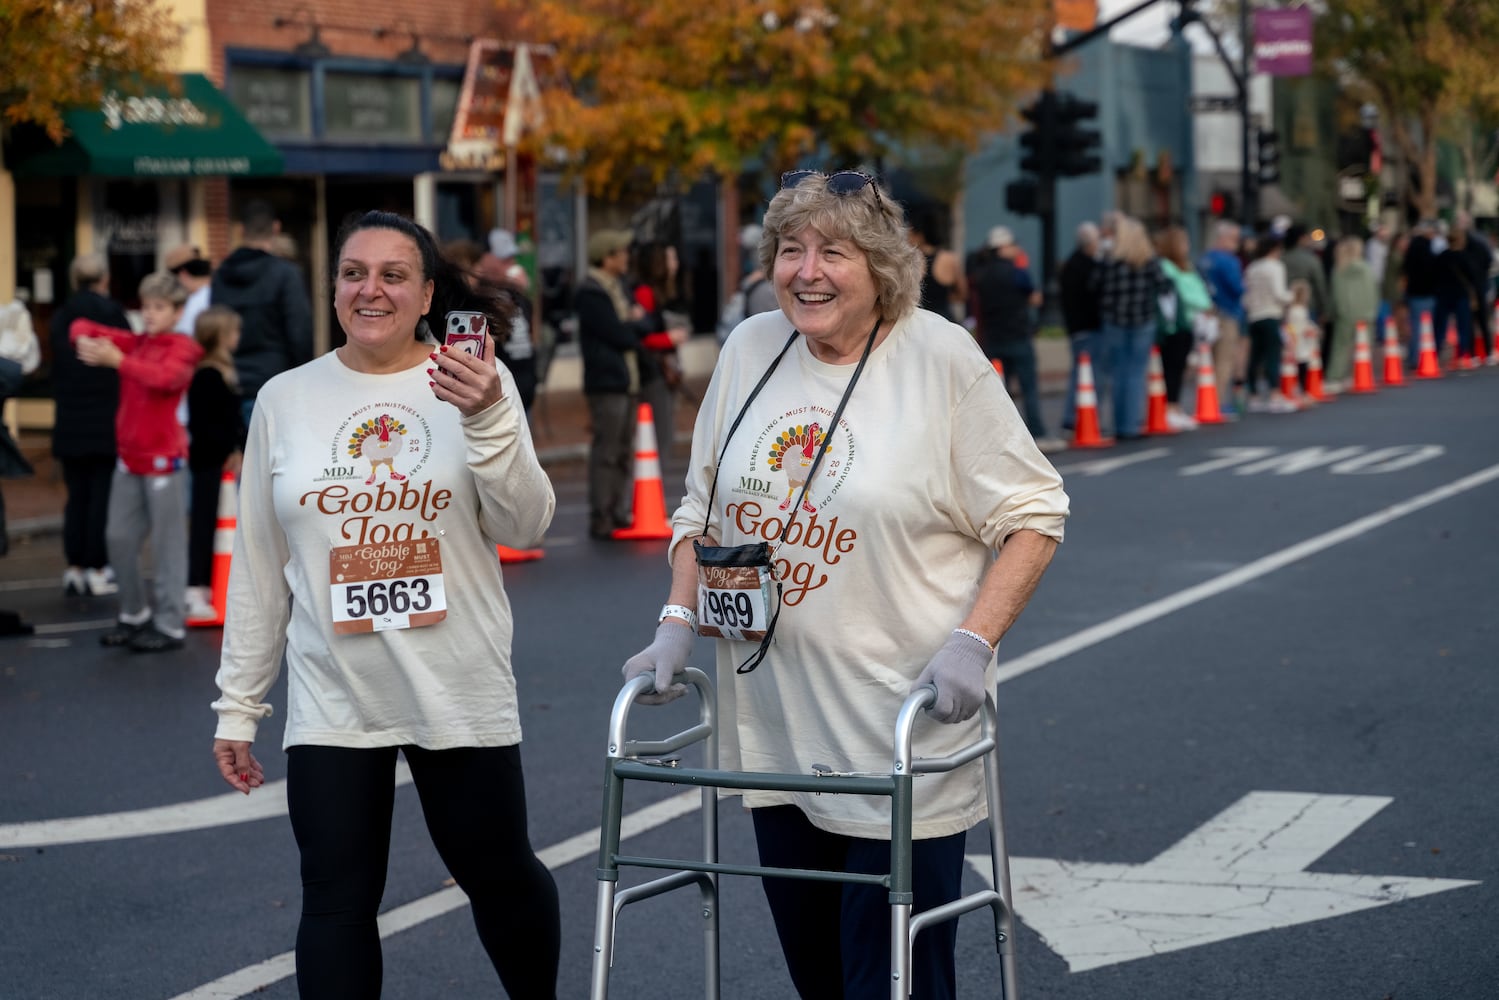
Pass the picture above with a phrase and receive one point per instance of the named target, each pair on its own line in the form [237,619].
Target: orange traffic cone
[649,515]
[1394,357]
[1155,396]
[509,555]
[1363,361]
[1428,366]
[1085,423]
[1290,377]
[223,551]
[1450,345]
[1207,389]
[999,370]
[1314,388]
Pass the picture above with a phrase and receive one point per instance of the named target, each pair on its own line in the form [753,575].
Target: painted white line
[48,584]
[65,628]
[1263,566]
[266,802]
[250,979]
[1103,466]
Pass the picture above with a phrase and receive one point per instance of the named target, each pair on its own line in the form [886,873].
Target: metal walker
[627,760]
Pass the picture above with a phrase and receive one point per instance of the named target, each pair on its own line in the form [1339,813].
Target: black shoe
[149,640]
[121,634]
[11,624]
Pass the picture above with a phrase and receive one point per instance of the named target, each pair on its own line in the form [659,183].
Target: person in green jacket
[1354,299]
[1192,319]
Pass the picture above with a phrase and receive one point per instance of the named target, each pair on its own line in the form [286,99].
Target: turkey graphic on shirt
[793,453]
[379,442]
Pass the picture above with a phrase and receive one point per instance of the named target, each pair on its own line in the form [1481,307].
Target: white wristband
[679,611]
[974,635]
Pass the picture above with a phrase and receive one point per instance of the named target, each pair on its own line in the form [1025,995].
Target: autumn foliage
[666,91]
[57,54]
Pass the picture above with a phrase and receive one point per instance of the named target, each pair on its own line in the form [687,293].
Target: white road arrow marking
[1241,873]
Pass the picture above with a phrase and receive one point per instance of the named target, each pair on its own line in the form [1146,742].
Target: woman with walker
[884,562]
[377,481]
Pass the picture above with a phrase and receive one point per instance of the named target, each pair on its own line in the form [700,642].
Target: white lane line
[1263,566]
[47,584]
[266,802]
[253,978]
[63,628]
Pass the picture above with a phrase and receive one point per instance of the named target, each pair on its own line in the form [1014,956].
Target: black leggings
[474,801]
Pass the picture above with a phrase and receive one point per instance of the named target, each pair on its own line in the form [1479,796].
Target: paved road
[1255,689]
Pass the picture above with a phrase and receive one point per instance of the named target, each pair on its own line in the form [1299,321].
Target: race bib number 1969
[392,586]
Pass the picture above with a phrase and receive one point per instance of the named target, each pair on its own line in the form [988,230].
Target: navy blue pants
[836,936]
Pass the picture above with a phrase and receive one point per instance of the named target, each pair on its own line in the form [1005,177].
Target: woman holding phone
[377,481]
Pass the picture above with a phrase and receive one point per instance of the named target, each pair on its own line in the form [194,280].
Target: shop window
[276,101]
[367,107]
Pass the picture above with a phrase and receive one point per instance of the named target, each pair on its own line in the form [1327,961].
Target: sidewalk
[559,426]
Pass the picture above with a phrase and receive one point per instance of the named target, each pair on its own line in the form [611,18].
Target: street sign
[1240,873]
[1214,102]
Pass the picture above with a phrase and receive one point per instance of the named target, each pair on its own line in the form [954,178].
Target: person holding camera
[377,481]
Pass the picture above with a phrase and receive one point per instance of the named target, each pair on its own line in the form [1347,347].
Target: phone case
[466,332]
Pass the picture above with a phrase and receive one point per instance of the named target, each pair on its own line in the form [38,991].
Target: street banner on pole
[1283,41]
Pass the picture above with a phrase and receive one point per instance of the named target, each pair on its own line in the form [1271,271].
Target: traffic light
[1077,146]
[1023,197]
[1039,141]
[1221,205]
[1268,142]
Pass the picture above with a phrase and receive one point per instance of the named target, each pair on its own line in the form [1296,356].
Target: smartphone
[466,331]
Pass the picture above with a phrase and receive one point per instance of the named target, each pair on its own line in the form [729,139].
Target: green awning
[197,133]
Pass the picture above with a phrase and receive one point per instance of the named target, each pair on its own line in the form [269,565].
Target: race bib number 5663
[391,586]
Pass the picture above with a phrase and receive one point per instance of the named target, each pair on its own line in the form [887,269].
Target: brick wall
[371,29]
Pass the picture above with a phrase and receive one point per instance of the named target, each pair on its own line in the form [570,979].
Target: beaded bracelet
[974,635]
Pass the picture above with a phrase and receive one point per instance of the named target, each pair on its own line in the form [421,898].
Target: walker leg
[1004,915]
[603,941]
[900,951]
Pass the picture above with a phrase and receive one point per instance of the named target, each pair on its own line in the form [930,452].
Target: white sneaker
[1180,421]
[1049,445]
[1257,405]
[73,582]
[199,603]
[99,583]
[1282,405]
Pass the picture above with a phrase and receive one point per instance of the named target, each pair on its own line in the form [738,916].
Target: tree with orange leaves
[667,91]
[58,54]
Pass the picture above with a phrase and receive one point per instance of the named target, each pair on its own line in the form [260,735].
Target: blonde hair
[1131,245]
[211,330]
[872,221]
[163,285]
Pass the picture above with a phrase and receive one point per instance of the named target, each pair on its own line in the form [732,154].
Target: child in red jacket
[149,491]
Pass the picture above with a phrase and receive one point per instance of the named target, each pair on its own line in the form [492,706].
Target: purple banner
[1283,41]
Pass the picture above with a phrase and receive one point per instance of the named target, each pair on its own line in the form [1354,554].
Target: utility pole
[1248,210]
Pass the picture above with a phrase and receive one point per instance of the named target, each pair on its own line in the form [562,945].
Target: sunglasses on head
[842,183]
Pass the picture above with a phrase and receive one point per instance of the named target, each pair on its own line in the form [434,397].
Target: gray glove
[665,656]
[957,672]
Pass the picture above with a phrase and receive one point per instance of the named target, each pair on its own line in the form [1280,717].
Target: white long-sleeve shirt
[1266,294]
[928,472]
[338,458]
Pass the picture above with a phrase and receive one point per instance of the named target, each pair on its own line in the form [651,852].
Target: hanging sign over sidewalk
[1283,41]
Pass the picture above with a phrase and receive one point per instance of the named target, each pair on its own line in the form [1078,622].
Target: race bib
[734,591]
[396,585]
